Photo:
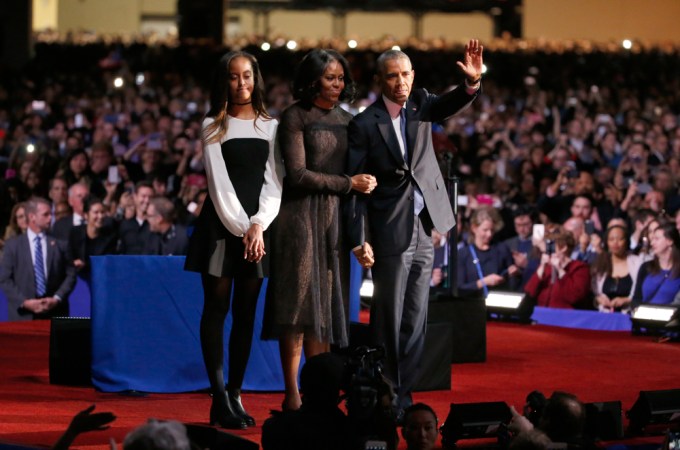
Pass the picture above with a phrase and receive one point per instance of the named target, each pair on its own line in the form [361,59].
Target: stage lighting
[352,43]
[265,46]
[655,412]
[366,289]
[511,306]
[291,45]
[655,318]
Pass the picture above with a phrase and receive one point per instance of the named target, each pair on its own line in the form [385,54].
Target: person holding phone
[559,281]
[483,266]
[229,245]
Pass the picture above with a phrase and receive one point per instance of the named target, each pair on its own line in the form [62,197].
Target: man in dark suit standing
[37,274]
[390,228]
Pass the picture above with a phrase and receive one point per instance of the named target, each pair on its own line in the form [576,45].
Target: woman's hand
[253,242]
[620,302]
[604,302]
[78,264]
[493,279]
[364,183]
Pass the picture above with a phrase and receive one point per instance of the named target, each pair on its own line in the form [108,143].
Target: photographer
[559,281]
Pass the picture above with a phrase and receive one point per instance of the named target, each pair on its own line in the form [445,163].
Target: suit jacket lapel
[387,132]
[412,122]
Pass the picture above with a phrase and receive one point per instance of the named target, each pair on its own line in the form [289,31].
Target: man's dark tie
[39,269]
[402,124]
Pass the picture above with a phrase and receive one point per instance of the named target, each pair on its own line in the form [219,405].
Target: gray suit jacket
[17,278]
[374,149]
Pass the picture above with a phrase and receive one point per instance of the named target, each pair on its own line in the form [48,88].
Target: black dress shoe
[234,398]
[222,415]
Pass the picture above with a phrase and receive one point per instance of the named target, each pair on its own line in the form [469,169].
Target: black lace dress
[309,267]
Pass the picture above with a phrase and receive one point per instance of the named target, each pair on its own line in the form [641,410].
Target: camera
[549,246]
[368,399]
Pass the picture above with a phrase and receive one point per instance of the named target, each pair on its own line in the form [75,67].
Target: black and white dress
[244,187]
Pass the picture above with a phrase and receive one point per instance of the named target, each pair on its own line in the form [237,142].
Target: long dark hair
[671,233]
[310,70]
[219,96]
[603,263]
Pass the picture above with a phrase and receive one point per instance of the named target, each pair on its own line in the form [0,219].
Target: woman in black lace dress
[228,244]
[308,287]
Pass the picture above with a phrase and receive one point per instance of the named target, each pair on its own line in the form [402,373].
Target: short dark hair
[415,408]
[90,201]
[311,69]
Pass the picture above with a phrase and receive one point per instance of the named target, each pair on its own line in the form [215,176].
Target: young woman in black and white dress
[228,245]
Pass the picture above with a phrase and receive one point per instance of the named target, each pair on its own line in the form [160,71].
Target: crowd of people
[569,175]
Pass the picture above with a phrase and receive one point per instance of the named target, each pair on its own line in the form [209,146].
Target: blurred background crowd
[557,122]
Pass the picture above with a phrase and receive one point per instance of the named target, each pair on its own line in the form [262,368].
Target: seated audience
[481,265]
[658,280]
[36,272]
[615,271]
[559,281]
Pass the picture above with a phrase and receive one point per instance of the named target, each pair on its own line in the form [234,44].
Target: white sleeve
[270,195]
[222,193]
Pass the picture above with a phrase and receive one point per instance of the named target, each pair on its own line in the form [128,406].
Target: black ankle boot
[234,398]
[222,414]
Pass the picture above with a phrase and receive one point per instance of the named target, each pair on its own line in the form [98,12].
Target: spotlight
[265,46]
[509,306]
[396,47]
[352,43]
[30,148]
[139,79]
[655,319]
[292,45]
[627,44]
[118,82]
[366,289]
[484,68]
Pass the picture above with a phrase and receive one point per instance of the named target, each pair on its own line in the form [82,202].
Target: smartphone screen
[538,232]
[113,177]
[590,227]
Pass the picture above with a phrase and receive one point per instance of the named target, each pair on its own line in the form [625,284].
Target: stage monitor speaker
[604,420]
[467,318]
[654,411]
[70,356]
[474,420]
[210,438]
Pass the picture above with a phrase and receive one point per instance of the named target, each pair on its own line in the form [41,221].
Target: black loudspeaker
[655,408]
[473,420]
[70,351]
[435,367]
[604,420]
[467,318]
[210,438]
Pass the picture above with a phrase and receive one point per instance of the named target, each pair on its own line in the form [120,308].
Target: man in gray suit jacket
[390,228]
[18,278]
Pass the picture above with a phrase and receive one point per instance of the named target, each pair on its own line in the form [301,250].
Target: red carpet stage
[595,365]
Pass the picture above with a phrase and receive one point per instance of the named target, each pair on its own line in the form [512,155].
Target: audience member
[76,194]
[615,271]
[319,422]
[36,272]
[559,281]
[483,266]
[57,193]
[97,236]
[134,232]
[658,280]
[158,435]
[83,422]
[168,236]
[420,427]
[521,246]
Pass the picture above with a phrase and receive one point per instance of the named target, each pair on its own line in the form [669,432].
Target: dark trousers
[399,309]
